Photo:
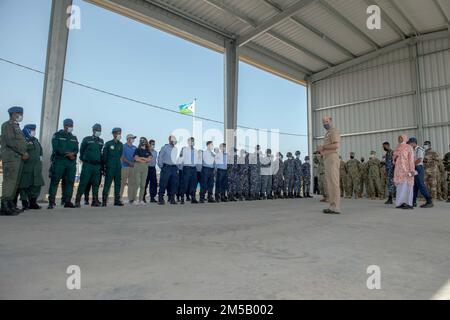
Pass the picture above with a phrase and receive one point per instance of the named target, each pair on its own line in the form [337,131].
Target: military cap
[30,127]
[68,122]
[116,130]
[97,127]
[412,139]
[15,109]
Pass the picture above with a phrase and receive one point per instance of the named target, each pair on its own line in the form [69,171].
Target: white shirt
[419,152]
[208,158]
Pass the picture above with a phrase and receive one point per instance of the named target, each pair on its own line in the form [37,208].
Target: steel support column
[416,85]
[231,60]
[310,129]
[54,76]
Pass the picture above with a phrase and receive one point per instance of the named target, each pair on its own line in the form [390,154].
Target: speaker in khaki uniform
[329,150]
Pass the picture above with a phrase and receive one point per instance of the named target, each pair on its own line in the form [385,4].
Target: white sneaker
[141,203]
[136,203]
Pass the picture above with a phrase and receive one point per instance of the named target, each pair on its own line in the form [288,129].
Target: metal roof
[297,39]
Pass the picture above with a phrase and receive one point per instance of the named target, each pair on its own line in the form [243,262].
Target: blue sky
[116,54]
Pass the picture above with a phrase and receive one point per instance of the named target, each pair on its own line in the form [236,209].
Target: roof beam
[348,23]
[403,15]
[274,21]
[442,11]
[371,55]
[302,23]
[251,22]
[187,28]
[388,20]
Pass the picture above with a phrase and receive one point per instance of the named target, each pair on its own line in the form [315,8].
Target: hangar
[374,83]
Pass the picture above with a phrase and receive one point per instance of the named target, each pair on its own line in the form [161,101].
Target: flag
[188,108]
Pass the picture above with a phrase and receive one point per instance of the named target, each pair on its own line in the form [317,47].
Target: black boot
[223,198]
[34,205]
[217,198]
[69,204]
[211,199]
[25,205]
[86,201]
[95,202]
[51,204]
[104,201]
[152,200]
[161,200]
[389,200]
[193,200]
[117,202]
[172,200]
[6,209]
[77,202]
[182,200]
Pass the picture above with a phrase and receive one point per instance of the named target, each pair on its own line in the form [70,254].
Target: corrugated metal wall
[376,101]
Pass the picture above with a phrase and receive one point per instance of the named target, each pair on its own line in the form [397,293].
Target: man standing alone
[329,150]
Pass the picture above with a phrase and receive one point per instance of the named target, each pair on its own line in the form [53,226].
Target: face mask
[307,161]
[97,133]
[19,118]
[69,129]
[426,147]
[118,137]
[327,126]
[32,133]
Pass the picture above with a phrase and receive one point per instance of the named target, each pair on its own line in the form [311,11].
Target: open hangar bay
[376,84]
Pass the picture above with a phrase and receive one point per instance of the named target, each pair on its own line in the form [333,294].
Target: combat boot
[6,209]
[161,200]
[69,204]
[223,198]
[104,201]
[194,200]
[172,200]
[182,200]
[34,205]
[152,200]
[51,204]
[211,199]
[117,202]
[95,202]
[217,198]
[77,202]
[25,205]
[86,201]
[389,200]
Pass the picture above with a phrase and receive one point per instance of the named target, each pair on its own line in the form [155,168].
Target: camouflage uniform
[233,168]
[289,175]
[447,166]
[353,167]
[430,162]
[306,175]
[297,175]
[373,177]
[389,160]
[342,177]
[278,179]
[244,170]
[255,174]
[442,181]
[363,179]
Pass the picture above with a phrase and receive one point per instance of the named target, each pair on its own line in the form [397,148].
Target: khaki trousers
[332,168]
[128,179]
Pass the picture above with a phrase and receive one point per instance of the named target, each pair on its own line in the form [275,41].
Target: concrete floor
[282,249]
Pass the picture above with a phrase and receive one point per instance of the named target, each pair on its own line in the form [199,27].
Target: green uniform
[14,146]
[353,168]
[363,179]
[112,152]
[442,181]
[91,155]
[373,178]
[62,167]
[31,180]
